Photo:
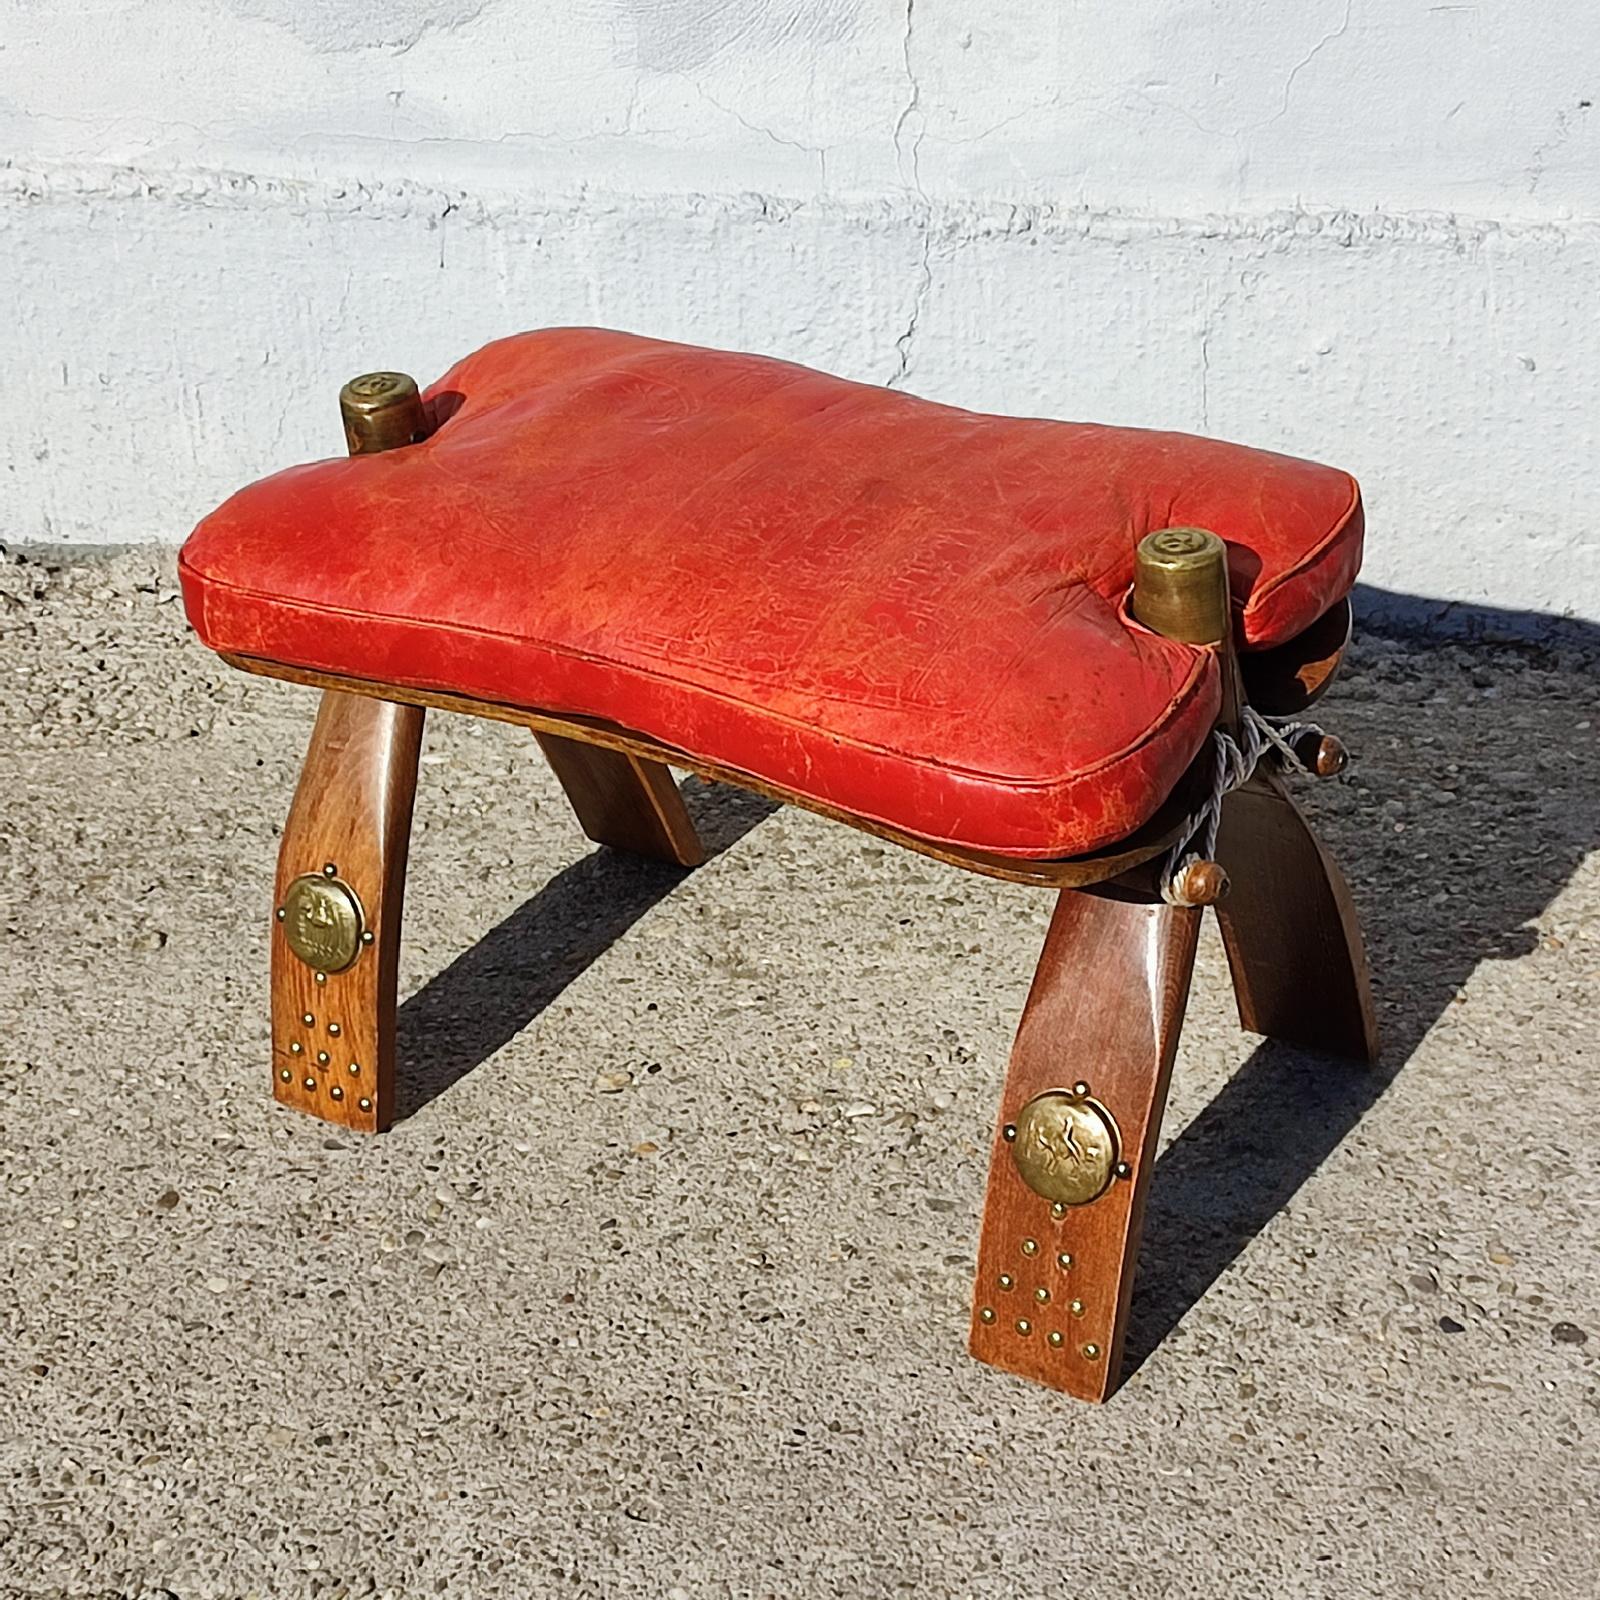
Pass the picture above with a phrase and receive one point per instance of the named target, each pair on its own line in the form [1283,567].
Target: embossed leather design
[909,611]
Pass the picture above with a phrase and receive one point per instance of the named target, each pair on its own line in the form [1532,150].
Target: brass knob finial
[1180,585]
[1200,883]
[1328,756]
[381,411]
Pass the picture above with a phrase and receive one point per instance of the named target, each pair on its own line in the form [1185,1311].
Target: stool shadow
[492,991]
[1526,812]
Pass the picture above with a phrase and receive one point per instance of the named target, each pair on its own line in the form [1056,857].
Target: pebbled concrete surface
[660,1290]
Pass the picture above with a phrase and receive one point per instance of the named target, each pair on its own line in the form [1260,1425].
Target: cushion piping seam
[1176,703]
[1260,596]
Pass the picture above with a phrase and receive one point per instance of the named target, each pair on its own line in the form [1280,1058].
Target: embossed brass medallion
[1066,1147]
[322,922]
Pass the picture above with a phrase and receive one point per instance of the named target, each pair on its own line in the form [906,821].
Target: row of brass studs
[1055,1338]
[336,1091]
[1024,1325]
[296,1049]
[1041,1294]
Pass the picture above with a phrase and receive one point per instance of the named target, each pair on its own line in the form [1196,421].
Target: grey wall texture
[1363,233]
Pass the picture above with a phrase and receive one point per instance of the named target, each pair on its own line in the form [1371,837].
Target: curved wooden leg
[624,801]
[347,836]
[1104,1015]
[1290,929]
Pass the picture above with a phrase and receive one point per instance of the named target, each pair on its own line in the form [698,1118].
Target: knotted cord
[1236,761]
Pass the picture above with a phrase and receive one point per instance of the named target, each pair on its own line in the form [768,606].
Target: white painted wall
[1366,230]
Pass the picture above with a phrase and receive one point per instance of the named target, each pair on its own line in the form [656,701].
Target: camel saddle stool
[1065,655]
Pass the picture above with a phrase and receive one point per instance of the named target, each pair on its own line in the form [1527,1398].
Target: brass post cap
[1180,585]
[381,411]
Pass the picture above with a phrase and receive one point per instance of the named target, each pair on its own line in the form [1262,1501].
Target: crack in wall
[819,151]
[1563,132]
[913,107]
[902,345]
[1304,62]
[1215,307]
[1238,132]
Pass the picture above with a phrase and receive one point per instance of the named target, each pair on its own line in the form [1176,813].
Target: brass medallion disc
[322,922]
[1066,1147]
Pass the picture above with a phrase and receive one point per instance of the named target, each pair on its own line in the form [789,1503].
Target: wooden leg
[1098,1034]
[341,881]
[1293,941]
[624,801]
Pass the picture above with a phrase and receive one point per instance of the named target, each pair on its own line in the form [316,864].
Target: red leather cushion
[910,611]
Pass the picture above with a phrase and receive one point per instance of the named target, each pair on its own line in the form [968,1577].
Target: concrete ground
[661,1287]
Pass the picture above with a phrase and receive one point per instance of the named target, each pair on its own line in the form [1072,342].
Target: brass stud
[1030,1247]
[281,913]
[285,1074]
[364,1103]
[311,1083]
[1076,1308]
[322,977]
[1058,1210]
[295,1047]
[1064,1260]
[1007,1281]
[309,1020]
[1091,1352]
[1024,1327]
[355,1069]
[330,871]
[1080,1088]
[986,1314]
[333,1030]
[1009,1132]
[1055,1339]
[322,1058]
[337,1092]
[1123,1170]
[366,936]
[1042,1295]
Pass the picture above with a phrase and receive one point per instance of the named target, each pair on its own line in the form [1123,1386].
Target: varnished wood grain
[1068,872]
[1293,940]
[1106,1008]
[351,811]
[624,801]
